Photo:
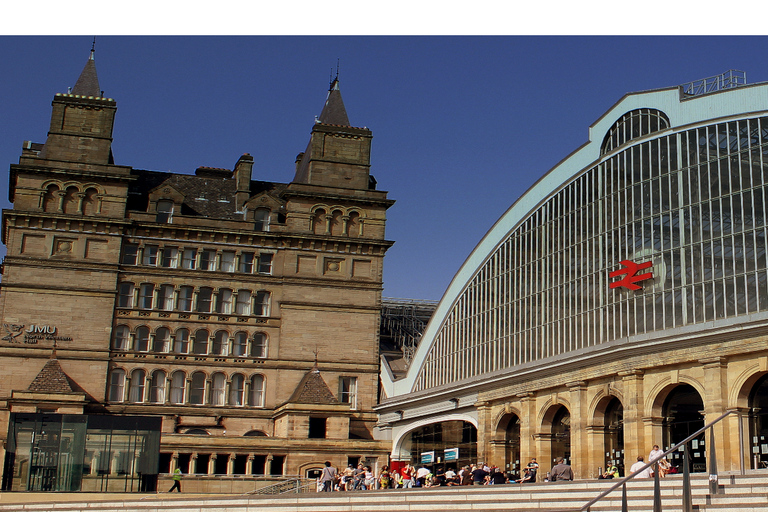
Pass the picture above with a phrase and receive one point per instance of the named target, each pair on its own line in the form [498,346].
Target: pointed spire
[333,110]
[88,83]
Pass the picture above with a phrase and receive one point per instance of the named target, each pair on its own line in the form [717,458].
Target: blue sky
[462,126]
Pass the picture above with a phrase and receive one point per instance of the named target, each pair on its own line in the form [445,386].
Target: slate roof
[52,379]
[333,110]
[88,82]
[208,194]
[313,390]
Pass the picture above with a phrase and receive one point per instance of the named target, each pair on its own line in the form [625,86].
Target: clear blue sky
[462,126]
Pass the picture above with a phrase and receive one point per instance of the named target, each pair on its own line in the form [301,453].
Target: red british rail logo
[631,269]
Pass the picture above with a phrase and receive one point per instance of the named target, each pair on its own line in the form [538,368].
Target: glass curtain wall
[692,202]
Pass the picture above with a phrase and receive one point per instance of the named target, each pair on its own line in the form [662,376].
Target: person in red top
[407,474]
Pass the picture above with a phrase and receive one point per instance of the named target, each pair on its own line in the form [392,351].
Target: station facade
[211,306]
[621,302]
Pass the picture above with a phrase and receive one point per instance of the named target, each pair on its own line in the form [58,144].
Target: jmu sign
[631,269]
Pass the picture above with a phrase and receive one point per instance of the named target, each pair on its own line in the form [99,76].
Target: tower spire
[88,82]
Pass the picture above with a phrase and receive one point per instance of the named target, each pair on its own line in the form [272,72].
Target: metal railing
[292,485]
[687,501]
[729,79]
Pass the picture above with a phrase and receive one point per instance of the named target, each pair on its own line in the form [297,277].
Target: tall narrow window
[181,342]
[246,262]
[146,295]
[164,212]
[165,297]
[197,388]
[125,297]
[261,219]
[224,301]
[200,345]
[259,345]
[218,388]
[204,298]
[141,343]
[51,199]
[236,388]
[243,305]
[157,387]
[116,385]
[184,302]
[220,341]
[169,257]
[240,344]
[227,263]
[178,385]
[207,259]
[138,382]
[122,338]
[129,254]
[348,391]
[256,394]
[188,258]
[261,303]
[265,263]
[150,255]
[162,340]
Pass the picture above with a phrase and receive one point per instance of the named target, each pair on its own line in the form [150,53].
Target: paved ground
[48,497]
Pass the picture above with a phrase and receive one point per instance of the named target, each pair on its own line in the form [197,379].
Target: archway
[510,426]
[560,444]
[613,436]
[682,413]
[445,444]
[758,423]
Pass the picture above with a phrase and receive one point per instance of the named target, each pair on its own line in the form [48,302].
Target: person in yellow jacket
[176,480]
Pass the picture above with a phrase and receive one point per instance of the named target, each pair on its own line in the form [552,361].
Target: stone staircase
[747,493]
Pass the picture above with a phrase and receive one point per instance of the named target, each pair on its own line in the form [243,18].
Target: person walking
[176,480]
[327,477]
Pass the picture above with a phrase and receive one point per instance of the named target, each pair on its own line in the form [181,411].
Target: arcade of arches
[614,420]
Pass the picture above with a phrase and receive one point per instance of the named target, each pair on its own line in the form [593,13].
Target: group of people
[362,477]
[656,455]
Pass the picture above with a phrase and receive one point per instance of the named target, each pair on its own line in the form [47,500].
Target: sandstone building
[209,307]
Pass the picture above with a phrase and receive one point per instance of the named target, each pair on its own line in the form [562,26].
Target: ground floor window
[448,444]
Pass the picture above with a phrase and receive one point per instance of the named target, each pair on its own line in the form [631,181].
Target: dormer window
[164,212]
[261,219]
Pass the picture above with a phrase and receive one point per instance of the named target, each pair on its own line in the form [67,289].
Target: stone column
[175,462]
[231,463]
[483,422]
[212,463]
[249,464]
[528,429]
[192,463]
[715,403]
[579,448]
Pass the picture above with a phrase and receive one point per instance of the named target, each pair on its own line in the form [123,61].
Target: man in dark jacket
[561,471]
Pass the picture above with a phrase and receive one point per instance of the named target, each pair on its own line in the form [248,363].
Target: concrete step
[748,493]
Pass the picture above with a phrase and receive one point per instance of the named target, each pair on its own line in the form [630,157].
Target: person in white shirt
[646,473]
[656,455]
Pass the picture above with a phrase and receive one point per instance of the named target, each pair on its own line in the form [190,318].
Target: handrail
[651,463]
[293,484]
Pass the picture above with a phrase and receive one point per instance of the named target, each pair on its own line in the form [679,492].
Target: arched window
[90,202]
[633,125]
[162,341]
[116,385]
[121,338]
[138,382]
[319,222]
[259,345]
[256,393]
[51,199]
[240,344]
[71,200]
[218,388]
[336,223]
[141,343]
[157,387]
[236,389]
[261,303]
[220,341]
[197,388]
[255,433]
[181,341]
[165,297]
[354,227]
[178,386]
[200,343]
[164,212]
[261,219]
[224,301]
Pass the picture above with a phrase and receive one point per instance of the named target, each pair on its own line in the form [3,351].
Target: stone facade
[211,299]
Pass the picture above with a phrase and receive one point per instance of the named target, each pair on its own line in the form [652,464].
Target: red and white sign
[631,269]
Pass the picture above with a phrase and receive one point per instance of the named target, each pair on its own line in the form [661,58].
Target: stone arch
[503,417]
[50,197]
[319,220]
[659,393]
[398,440]
[743,384]
[547,410]
[337,221]
[599,404]
[71,203]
